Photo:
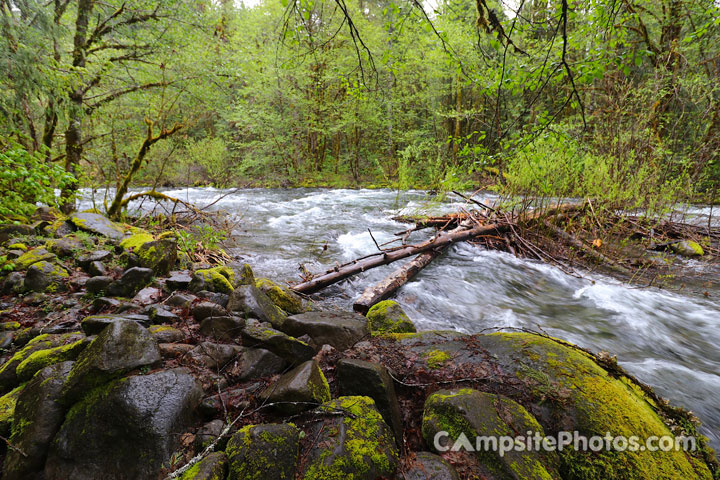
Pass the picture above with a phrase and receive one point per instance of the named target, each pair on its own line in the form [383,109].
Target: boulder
[14,283]
[305,384]
[158,255]
[214,355]
[283,297]
[97,224]
[178,280]
[125,430]
[208,433]
[147,296]
[131,282]
[450,414]
[38,418]
[203,310]
[119,348]
[7,409]
[216,279]
[294,351]
[264,452]
[45,276]
[160,314]
[388,317]
[354,442]
[65,247]
[366,379]
[96,269]
[97,285]
[428,466]
[96,256]
[339,329]
[227,328]
[212,467]
[40,359]
[687,248]
[9,230]
[249,301]
[166,334]
[30,257]
[257,363]
[95,324]
[136,240]
[174,350]
[180,300]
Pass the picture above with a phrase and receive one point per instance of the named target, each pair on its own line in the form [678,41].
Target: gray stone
[11,230]
[208,433]
[119,348]
[65,247]
[96,256]
[94,324]
[40,416]
[212,467]
[13,283]
[147,296]
[96,269]
[45,276]
[214,355]
[179,280]
[249,301]
[180,300]
[30,257]
[131,282]
[222,328]
[361,378]
[128,429]
[97,224]
[165,334]
[203,310]
[341,330]
[158,255]
[428,466]
[220,298]
[300,389]
[160,314]
[268,451]
[96,285]
[289,348]
[258,363]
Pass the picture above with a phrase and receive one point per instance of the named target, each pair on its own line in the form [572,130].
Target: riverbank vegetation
[615,101]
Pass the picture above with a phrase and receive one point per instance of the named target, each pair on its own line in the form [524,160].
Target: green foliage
[26,179]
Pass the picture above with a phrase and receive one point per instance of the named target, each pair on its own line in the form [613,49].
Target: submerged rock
[125,430]
[264,452]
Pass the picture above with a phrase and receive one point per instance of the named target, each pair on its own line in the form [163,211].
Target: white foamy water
[669,340]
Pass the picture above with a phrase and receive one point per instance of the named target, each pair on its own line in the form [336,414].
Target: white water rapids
[669,340]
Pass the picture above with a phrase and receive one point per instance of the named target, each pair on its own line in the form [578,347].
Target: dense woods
[617,100]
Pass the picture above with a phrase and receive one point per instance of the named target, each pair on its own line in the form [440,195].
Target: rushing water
[669,340]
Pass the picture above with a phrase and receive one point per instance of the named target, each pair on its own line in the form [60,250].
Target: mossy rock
[30,257]
[437,358]
[458,417]
[36,361]
[132,242]
[264,452]
[18,246]
[284,298]
[46,277]
[7,409]
[289,348]
[352,443]
[159,255]
[98,224]
[299,389]
[212,467]
[687,248]
[216,279]
[388,317]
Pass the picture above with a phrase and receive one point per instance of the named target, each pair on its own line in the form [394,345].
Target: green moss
[320,391]
[436,358]
[388,317]
[696,247]
[18,246]
[7,408]
[31,257]
[282,297]
[5,326]
[40,359]
[219,279]
[134,241]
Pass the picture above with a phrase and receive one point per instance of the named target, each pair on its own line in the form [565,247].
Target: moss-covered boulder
[46,277]
[7,409]
[131,282]
[354,442]
[36,361]
[120,347]
[294,351]
[135,241]
[227,328]
[127,429]
[300,389]
[388,317]
[30,257]
[249,301]
[38,417]
[283,297]
[212,467]
[9,230]
[216,279]
[687,248]
[166,334]
[97,224]
[264,452]
[158,255]
[458,417]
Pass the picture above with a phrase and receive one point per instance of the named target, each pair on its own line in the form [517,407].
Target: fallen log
[395,280]
[442,240]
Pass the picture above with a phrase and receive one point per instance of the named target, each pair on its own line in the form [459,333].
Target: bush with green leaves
[27,179]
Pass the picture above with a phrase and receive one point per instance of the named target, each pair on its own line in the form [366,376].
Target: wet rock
[45,276]
[166,334]
[225,328]
[473,413]
[7,410]
[180,300]
[13,283]
[235,398]
[30,257]
[214,355]
[61,229]
[160,314]
[97,224]
[212,467]
[294,351]
[40,359]
[38,418]
[249,301]
[96,269]
[131,282]
[178,280]
[216,279]
[258,363]
[366,379]
[65,247]
[158,255]
[341,330]
[283,297]
[305,384]
[6,339]
[147,296]
[428,466]
[687,248]
[215,297]
[268,452]
[354,442]
[96,256]
[388,317]
[208,433]
[97,285]
[203,310]
[174,350]
[11,230]
[94,324]
[110,429]
[119,348]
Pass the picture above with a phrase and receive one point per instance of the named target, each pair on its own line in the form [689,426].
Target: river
[669,340]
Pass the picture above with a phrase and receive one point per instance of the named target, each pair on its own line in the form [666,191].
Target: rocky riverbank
[121,361]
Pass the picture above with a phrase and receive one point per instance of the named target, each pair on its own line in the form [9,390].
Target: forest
[615,100]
